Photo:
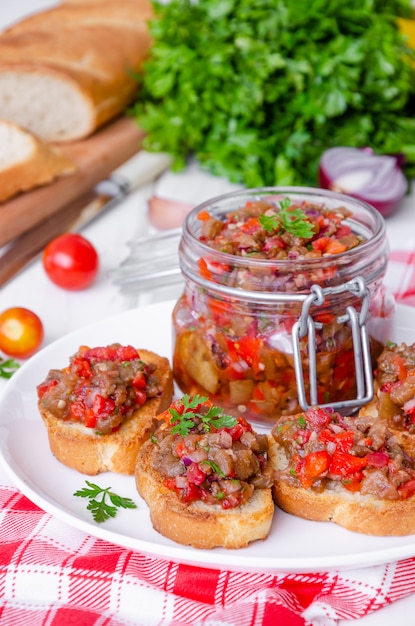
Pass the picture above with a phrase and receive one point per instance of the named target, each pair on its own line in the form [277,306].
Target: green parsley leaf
[302,421]
[8,367]
[288,220]
[101,510]
[183,421]
[214,467]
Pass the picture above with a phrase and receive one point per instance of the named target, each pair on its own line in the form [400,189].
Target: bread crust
[199,524]
[359,513]
[81,449]
[42,165]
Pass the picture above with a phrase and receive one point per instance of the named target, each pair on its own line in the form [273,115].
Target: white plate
[293,544]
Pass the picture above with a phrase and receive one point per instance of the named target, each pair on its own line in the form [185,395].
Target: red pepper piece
[317,418]
[249,350]
[320,244]
[406,490]
[81,367]
[326,436]
[313,466]
[195,474]
[239,429]
[204,270]
[140,397]
[344,441]
[126,353]
[191,493]
[250,226]
[203,216]
[139,381]
[103,406]
[401,369]
[344,464]
[353,482]
[378,459]
[44,388]
[77,410]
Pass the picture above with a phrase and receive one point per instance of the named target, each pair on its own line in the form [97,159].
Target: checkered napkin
[400,276]
[55,575]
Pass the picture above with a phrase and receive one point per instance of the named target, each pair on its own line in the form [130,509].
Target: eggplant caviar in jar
[250,260]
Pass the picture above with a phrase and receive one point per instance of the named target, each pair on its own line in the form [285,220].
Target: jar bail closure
[306,325]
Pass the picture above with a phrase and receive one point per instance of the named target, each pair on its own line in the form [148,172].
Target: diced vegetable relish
[280,230]
[395,386]
[323,448]
[207,455]
[100,388]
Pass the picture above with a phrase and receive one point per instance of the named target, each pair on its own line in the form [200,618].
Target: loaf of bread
[206,480]
[70,69]
[76,442]
[350,471]
[27,162]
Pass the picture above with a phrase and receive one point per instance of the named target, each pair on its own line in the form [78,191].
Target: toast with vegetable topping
[347,470]
[206,477]
[99,410]
[394,397]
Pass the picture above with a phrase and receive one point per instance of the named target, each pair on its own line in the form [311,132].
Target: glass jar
[269,337]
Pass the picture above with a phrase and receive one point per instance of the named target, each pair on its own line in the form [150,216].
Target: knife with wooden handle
[141,169]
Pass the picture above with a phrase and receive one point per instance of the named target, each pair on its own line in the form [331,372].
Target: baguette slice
[359,513]
[199,524]
[80,448]
[27,162]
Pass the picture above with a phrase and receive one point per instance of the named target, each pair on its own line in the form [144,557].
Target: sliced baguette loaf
[82,449]
[199,524]
[27,162]
[68,70]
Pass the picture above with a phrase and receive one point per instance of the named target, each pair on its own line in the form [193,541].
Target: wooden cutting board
[95,159]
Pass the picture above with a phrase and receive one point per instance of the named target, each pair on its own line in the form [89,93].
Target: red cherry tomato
[21,332]
[71,261]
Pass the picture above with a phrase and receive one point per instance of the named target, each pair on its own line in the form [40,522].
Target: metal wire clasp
[362,358]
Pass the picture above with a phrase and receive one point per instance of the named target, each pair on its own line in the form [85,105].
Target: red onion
[378,459]
[358,172]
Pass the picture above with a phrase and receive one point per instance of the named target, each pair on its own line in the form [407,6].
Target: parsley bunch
[258,90]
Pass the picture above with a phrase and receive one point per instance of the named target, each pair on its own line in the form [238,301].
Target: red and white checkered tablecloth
[400,276]
[52,574]
[55,575]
